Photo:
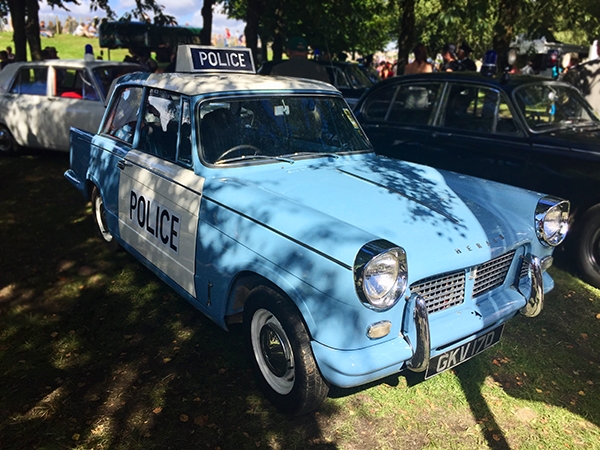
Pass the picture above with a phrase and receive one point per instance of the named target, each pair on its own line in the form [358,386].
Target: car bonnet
[336,208]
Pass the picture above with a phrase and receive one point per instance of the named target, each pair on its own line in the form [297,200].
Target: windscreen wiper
[251,157]
[317,154]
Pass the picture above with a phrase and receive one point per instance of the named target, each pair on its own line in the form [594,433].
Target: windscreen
[548,107]
[277,127]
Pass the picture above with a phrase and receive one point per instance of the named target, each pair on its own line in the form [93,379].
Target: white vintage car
[41,100]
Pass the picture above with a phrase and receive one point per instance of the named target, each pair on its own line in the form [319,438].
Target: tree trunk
[508,13]
[277,46]
[207,15]
[251,30]
[406,35]
[17,14]
[278,37]
[32,29]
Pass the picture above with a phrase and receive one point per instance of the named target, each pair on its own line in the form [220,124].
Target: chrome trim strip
[296,241]
[160,174]
[442,213]
[535,303]
[422,348]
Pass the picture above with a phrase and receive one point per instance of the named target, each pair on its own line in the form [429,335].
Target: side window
[160,124]
[32,81]
[505,123]
[478,109]
[123,116]
[184,156]
[414,104]
[379,103]
[471,108]
[340,80]
[74,83]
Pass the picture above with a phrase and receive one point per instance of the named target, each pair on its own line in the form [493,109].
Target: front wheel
[8,144]
[280,353]
[99,213]
[588,246]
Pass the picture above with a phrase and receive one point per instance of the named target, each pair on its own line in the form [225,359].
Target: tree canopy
[367,26]
[362,26]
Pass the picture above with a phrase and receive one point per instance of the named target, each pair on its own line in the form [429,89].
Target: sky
[184,11]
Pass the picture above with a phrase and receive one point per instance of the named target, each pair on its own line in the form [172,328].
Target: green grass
[96,353]
[68,46]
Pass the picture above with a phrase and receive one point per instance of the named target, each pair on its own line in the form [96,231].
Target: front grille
[524,272]
[441,292]
[491,274]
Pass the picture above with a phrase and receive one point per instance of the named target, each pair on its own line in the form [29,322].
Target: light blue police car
[260,200]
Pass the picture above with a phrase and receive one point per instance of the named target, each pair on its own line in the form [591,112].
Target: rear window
[31,81]
[106,75]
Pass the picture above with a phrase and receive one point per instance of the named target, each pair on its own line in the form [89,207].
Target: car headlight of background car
[552,220]
[380,274]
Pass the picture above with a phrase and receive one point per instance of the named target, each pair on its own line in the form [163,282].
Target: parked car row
[261,199]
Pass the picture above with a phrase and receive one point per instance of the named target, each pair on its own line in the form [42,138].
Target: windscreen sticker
[281,110]
[351,118]
[155,219]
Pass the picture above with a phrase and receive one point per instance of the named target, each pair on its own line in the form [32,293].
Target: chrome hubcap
[272,351]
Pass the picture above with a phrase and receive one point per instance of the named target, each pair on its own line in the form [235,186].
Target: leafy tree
[331,26]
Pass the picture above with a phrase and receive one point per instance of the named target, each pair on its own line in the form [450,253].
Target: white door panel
[159,203]
[61,113]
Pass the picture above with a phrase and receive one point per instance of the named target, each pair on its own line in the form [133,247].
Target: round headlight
[552,220]
[380,274]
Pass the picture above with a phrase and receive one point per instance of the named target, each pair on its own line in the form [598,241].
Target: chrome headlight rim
[370,254]
[546,207]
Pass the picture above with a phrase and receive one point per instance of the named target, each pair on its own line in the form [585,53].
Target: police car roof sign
[201,59]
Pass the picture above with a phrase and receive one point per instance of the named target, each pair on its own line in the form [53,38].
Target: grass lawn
[68,46]
[97,353]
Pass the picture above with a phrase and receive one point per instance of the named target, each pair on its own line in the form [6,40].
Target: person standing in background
[420,64]
[449,55]
[299,65]
[466,63]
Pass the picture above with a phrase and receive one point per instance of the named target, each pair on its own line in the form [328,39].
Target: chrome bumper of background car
[422,348]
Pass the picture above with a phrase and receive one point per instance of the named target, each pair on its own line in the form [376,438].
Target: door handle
[437,134]
[122,164]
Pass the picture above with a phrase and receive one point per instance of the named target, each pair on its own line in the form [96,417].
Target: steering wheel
[236,149]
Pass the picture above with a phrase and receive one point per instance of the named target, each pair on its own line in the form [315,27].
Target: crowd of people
[452,58]
[80,28]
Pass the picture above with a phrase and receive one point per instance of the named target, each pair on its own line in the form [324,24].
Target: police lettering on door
[155,219]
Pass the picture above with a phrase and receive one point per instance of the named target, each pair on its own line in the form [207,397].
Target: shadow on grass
[95,352]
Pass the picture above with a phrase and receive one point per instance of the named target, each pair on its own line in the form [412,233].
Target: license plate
[459,355]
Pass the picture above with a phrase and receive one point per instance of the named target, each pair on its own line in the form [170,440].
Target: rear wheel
[588,246]
[280,353]
[99,213]
[8,144]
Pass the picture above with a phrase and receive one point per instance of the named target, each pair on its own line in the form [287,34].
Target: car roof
[204,84]
[513,81]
